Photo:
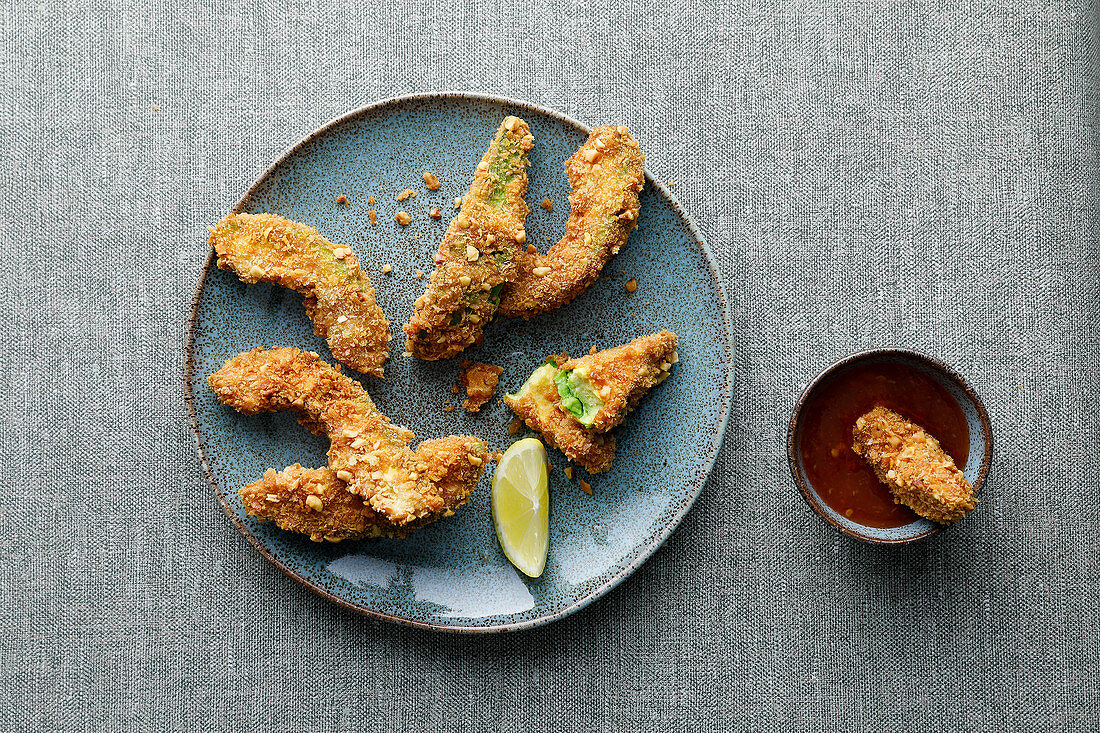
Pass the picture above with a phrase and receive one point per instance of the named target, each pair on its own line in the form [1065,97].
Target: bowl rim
[846,362]
[648,548]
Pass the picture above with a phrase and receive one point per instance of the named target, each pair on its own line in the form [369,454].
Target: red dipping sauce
[844,480]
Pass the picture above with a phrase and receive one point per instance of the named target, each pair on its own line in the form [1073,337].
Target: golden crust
[339,298]
[314,502]
[477,257]
[622,375]
[480,381]
[538,405]
[367,451]
[606,174]
[913,466]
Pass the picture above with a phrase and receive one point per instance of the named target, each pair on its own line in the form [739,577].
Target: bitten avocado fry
[608,384]
[537,403]
[575,405]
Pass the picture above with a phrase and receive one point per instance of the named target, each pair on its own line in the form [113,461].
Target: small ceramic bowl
[977,465]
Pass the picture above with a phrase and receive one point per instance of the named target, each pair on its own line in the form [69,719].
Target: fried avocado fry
[913,465]
[574,405]
[313,501]
[600,389]
[339,298]
[606,175]
[537,404]
[477,257]
[368,452]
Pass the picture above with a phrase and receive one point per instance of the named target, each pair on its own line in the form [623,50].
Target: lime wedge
[521,506]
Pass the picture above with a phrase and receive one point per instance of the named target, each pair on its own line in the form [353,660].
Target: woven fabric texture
[868,174]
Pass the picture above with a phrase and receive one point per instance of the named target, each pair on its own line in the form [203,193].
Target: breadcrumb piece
[631,285]
[386,268]
[402,218]
[448,407]
[431,182]
[569,472]
[342,199]
[373,216]
[913,465]
[370,200]
[547,204]
[405,194]
[586,487]
[419,274]
[480,381]
[435,213]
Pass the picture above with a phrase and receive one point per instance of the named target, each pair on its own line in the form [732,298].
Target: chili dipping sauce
[843,479]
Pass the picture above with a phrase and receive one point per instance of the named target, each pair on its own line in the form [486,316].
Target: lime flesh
[521,506]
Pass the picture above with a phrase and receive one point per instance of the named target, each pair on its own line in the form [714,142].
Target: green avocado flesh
[577,397]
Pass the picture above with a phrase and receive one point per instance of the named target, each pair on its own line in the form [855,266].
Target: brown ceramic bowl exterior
[981,441]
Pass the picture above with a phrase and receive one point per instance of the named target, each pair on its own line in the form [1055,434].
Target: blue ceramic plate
[452,574]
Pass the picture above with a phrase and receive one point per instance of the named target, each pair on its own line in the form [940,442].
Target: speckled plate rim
[843,363]
[649,547]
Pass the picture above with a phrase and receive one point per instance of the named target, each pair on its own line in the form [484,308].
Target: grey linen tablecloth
[923,175]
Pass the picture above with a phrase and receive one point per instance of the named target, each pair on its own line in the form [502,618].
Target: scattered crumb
[455,389]
[370,200]
[480,381]
[593,350]
[431,182]
[458,202]
[547,204]
[435,213]
[419,274]
[569,472]
[631,285]
[514,427]
[670,184]
[342,199]
[402,218]
[373,216]
[156,108]
[586,487]
[448,407]
[405,194]
[386,268]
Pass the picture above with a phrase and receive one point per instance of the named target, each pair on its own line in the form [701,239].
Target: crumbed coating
[366,451]
[538,405]
[339,298]
[913,465]
[477,257]
[480,381]
[606,174]
[314,502]
[622,375]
